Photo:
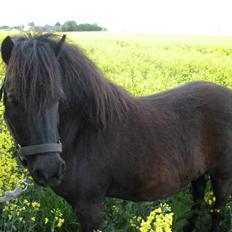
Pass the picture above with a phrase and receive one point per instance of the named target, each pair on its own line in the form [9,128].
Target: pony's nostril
[40,175]
[62,168]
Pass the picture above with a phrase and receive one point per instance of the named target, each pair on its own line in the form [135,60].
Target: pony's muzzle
[49,172]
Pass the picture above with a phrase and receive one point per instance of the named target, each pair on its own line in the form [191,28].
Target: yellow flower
[159,220]
[45,220]
[35,204]
[33,219]
[60,222]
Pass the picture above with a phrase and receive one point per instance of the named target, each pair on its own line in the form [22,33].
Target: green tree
[90,27]
[31,26]
[70,26]
[57,27]
[4,27]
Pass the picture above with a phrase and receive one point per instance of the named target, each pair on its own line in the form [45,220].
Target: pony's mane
[38,77]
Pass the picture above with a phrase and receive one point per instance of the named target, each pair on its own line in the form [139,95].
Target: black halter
[24,151]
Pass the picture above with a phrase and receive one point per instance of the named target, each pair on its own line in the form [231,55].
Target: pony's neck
[99,108]
[90,96]
[84,117]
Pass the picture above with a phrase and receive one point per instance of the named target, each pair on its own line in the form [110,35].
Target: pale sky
[158,16]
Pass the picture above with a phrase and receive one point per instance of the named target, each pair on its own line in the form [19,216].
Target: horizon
[208,17]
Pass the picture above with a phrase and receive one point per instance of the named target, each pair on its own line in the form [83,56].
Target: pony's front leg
[89,214]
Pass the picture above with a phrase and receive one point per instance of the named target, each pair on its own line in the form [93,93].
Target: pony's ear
[6,49]
[59,46]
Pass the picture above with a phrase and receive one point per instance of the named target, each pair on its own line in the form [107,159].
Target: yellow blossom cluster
[159,220]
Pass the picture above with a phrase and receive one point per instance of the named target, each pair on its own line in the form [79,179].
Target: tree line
[58,27]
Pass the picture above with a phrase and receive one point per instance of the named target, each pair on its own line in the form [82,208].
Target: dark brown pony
[114,144]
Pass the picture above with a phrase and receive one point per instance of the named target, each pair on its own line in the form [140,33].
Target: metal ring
[24,181]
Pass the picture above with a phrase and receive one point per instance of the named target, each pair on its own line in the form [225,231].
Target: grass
[143,64]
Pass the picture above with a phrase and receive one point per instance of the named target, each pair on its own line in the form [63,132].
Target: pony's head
[32,92]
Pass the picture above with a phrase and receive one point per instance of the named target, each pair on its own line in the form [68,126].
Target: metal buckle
[20,153]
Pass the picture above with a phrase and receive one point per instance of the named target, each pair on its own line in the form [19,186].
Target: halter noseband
[38,149]
[32,149]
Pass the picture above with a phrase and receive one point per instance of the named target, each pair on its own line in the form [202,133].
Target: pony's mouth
[50,182]
[49,172]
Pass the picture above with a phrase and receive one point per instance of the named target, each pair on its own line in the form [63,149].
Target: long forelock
[33,73]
